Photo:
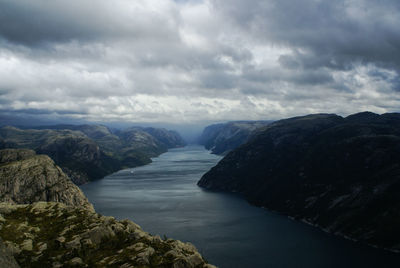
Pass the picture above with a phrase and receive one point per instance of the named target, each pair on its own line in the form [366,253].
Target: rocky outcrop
[26,178]
[222,138]
[341,174]
[6,257]
[55,235]
[11,155]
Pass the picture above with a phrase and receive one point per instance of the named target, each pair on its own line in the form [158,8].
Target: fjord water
[164,199]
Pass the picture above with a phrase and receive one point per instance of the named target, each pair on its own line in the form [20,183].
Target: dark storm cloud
[332,34]
[32,23]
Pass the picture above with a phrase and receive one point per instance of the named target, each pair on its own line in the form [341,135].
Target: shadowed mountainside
[222,138]
[341,174]
[89,152]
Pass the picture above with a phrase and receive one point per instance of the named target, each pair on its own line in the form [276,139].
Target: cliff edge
[26,178]
[48,234]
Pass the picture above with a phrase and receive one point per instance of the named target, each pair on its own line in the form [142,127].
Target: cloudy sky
[197,61]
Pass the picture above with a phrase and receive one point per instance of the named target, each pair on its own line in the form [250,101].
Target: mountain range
[90,152]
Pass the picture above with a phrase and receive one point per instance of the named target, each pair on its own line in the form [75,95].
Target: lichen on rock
[53,234]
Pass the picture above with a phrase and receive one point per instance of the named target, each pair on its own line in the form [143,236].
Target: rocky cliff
[55,235]
[341,174]
[26,178]
[222,138]
[7,259]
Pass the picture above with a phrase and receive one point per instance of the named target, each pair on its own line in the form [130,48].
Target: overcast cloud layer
[198,61]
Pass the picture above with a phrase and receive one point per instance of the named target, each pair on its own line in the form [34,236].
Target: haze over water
[164,199]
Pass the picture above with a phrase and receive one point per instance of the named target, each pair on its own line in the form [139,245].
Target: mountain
[78,155]
[169,138]
[222,138]
[100,134]
[90,152]
[341,174]
[26,178]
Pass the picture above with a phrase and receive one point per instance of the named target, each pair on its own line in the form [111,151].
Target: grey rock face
[10,155]
[6,257]
[36,178]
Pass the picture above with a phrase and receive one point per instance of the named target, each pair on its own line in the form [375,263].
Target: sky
[190,62]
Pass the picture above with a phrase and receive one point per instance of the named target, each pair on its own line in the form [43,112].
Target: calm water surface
[163,198]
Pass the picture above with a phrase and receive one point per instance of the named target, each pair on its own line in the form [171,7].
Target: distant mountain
[89,152]
[341,174]
[26,178]
[222,138]
[168,138]
[78,155]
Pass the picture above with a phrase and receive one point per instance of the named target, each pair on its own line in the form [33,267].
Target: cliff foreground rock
[26,178]
[48,234]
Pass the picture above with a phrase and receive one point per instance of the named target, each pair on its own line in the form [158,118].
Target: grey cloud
[218,80]
[31,22]
[333,34]
[150,60]
[34,23]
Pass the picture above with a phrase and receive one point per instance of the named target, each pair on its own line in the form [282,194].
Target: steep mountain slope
[102,135]
[169,138]
[79,156]
[342,174]
[222,138]
[89,152]
[26,178]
